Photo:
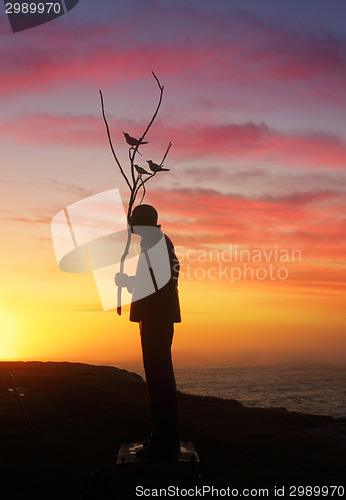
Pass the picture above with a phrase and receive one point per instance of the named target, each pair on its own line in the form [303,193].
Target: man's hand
[121,279]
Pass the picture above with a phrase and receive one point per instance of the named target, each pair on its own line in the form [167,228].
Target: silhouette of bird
[131,141]
[141,170]
[156,168]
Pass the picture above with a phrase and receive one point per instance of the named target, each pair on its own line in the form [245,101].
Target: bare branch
[132,171]
[144,190]
[161,87]
[132,197]
[142,184]
[111,144]
[166,153]
[144,193]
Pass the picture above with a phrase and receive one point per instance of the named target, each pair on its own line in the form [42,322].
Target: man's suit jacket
[163,304]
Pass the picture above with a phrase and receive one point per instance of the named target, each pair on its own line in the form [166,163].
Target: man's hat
[143,215]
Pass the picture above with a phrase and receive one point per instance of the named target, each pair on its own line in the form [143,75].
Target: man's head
[143,215]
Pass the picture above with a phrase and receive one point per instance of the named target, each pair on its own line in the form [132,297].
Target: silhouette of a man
[156,314]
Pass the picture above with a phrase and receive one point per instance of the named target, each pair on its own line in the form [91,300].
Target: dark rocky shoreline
[82,413]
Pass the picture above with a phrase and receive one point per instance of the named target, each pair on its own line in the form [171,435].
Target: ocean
[317,389]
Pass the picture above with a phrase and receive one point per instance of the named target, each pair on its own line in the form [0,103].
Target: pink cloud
[261,143]
[44,68]
[254,141]
[238,47]
[54,129]
[304,57]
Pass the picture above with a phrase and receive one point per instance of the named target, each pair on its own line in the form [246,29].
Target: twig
[142,184]
[161,87]
[110,142]
[132,171]
[166,153]
[144,192]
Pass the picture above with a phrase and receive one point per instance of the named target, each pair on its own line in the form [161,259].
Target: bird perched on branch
[131,141]
[156,168]
[141,170]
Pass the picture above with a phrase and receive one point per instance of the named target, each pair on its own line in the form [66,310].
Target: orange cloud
[199,218]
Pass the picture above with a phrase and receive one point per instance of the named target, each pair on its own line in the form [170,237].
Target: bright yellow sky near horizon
[58,316]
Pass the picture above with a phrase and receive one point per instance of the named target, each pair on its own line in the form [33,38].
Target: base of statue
[187,456]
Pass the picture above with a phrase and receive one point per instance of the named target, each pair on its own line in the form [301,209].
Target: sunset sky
[255,106]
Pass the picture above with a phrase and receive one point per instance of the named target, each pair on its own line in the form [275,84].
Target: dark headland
[82,413]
